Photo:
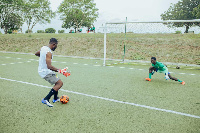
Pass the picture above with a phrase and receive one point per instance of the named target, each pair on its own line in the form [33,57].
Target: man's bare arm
[48,61]
[37,53]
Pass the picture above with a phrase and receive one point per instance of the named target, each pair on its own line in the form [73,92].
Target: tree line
[183,10]
[73,13]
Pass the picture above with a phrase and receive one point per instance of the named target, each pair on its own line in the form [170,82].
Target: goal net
[166,40]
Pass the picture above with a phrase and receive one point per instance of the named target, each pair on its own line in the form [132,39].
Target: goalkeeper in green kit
[160,67]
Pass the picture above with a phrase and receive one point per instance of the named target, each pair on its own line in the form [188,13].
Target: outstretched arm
[151,69]
[49,66]
[37,53]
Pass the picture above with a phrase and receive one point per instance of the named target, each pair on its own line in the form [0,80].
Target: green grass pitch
[95,94]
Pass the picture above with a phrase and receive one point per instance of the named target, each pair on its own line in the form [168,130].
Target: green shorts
[52,78]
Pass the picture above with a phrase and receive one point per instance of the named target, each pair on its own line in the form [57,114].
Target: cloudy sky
[117,10]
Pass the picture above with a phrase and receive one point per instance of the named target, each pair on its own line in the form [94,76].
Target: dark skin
[52,46]
[151,69]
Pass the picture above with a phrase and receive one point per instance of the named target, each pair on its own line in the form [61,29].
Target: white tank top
[42,68]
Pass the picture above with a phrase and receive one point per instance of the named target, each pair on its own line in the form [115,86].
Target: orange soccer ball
[64,99]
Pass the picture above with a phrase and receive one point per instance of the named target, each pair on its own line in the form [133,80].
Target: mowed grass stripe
[108,99]
[75,63]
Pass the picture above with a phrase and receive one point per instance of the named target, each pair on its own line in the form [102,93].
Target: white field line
[108,99]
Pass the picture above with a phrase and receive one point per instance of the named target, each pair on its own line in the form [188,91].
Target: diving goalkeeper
[161,68]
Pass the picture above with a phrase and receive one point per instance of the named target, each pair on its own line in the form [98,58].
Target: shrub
[178,32]
[50,30]
[30,31]
[40,31]
[61,31]
[9,31]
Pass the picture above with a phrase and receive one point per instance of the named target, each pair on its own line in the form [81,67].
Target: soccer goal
[140,40]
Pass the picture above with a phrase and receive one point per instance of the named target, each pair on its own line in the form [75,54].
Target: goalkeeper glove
[64,72]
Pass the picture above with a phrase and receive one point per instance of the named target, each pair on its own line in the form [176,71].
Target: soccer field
[111,99]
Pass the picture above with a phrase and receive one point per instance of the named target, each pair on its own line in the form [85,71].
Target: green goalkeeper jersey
[159,66]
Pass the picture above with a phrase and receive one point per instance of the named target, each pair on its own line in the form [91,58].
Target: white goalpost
[115,33]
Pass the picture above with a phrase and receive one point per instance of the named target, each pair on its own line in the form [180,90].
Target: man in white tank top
[47,71]
[42,68]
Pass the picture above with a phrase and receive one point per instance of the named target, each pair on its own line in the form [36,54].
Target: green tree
[61,31]
[183,10]
[77,13]
[196,12]
[37,11]
[50,30]
[28,31]
[10,15]
[40,31]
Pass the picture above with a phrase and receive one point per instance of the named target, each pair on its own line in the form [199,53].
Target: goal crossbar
[164,21]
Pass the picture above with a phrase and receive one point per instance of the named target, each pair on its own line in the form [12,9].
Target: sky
[116,10]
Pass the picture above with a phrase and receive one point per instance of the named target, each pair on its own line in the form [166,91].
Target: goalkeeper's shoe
[58,100]
[147,79]
[183,83]
[47,103]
